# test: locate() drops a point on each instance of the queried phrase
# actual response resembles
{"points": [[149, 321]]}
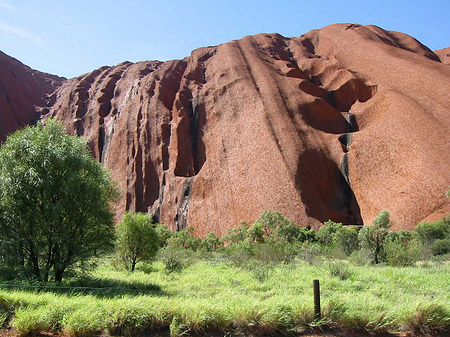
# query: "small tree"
{"points": [[325, 234], [372, 237], [136, 240], [211, 242], [346, 239], [54, 202]]}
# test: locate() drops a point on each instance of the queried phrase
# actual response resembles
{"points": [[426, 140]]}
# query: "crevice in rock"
{"points": [[166, 133], [156, 211], [183, 205], [101, 140], [146, 184], [195, 128], [325, 190]]}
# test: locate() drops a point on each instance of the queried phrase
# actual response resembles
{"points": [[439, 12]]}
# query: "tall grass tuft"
{"points": [[427, 318]]}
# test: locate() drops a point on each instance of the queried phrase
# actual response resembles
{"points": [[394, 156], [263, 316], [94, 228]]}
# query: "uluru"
{"points": [[338, 123]]}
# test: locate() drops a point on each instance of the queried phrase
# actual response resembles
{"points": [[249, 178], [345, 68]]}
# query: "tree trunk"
{"points": [[59, 272]]}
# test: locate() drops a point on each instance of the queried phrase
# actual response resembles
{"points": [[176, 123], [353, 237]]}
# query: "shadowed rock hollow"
{"points": [[339, 123]]}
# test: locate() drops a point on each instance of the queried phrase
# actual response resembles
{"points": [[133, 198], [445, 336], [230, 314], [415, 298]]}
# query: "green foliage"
{"points": [[338, 269], [176, 258], [361, 257], [270, 222], [373, 237], [177, 327], [54, 202], [346, 240], [403, 253], [223, 300], [325, 234], [256, 233], [211, 243], [430, 231], [310, 252], [237, 234], [440, 246], [164, 234], [184, 239], [401, 236], [136, 240]]}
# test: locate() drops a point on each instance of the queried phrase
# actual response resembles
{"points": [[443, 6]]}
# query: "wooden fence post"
{"points": [[317, 314]]}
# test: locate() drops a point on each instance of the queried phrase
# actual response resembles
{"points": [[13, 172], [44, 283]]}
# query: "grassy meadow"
{"points": [[213, 295]]}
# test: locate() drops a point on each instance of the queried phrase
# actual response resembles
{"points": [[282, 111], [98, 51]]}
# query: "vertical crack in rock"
{"points": [[101, 140], [343, 206], [198, 148], [166, 133], [156, 208], [183, 205], [146, 184]]}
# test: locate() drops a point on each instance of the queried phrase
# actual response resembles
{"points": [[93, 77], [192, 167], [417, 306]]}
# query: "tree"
{"points": [[136, 240], [326, 233], [346, 239], [55, 201], [373, 237]]}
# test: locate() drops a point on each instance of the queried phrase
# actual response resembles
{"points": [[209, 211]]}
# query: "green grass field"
{"points": [[215, 296]]}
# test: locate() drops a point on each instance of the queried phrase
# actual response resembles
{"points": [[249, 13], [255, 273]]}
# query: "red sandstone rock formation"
{"points": [[444, 55], [22, 92], [339, 123]]}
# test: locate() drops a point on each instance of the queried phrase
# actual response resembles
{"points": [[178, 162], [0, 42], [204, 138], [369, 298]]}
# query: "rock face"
{"points": [[444, 55], [22, 92], [339, 123]]}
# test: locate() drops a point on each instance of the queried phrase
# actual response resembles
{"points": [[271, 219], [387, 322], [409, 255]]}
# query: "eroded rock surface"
{"points": [[23, 93], [444, 55], [339, 123]]}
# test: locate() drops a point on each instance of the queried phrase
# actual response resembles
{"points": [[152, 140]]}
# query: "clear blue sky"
{"points": [[72, 37]]}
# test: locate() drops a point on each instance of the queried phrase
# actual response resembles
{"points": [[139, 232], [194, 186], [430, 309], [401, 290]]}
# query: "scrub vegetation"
{"points": [[249, 282], [65, 270]]}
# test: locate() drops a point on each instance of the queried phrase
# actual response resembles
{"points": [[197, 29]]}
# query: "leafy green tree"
{"points": [[256, 233], [403, 253], [184, 239], [136, 240], [164, 233], [326, 233], [55, 201], [428, 232], [270, 222], [346, 239], [211, 242], [237, 234], [373, 237]]}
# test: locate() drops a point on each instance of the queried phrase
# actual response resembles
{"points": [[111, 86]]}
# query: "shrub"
{"points": [[373, 237], [338, 269], [164, 234], [428, 232], [325, 234], [361, 257], [176, 258], [185, 239], [310, 252], [270, 222], [440, 246], [211, 243], [137, 240], [55, 201], [237, 234], [401, 254], [346, 240]]}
